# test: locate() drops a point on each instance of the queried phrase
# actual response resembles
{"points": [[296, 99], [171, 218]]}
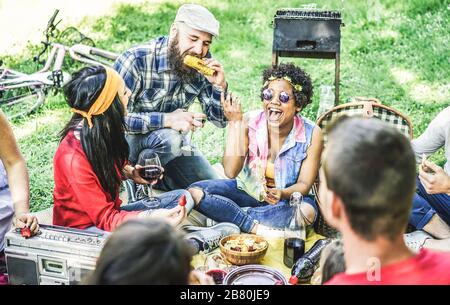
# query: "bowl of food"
{"points": [[243, 249]]}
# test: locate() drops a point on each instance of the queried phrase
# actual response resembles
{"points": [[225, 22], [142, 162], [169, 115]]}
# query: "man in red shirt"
{"points": [[366, 191]]}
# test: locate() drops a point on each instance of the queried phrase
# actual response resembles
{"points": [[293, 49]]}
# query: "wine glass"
{"points": [[151, 172], [188, 146], [196, 108], [216, 266]]}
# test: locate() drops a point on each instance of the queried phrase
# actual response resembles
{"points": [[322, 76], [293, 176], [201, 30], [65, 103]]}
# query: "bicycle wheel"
{"points": [[20, 102]]}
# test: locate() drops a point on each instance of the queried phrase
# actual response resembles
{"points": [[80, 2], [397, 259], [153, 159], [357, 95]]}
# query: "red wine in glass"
{"points": [[218, 275], [294, 248], [150, 172]]}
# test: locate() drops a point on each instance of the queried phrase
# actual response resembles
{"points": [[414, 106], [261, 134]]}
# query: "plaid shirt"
{"points": [[157, 90]]}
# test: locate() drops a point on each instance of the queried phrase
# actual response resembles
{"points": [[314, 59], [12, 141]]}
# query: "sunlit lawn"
{"points": [[402, 59]]}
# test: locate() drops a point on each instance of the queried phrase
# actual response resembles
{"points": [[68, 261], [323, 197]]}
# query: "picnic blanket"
{"points": [[274, 255]]}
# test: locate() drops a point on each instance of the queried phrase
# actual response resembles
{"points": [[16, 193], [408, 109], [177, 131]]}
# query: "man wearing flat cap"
{"points": [[163, 88]]}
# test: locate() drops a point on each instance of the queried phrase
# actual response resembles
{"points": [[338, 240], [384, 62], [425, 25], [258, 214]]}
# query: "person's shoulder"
{"points": [[306, 120], [442, 119], [435, 266], [67, 143], [434, 260], [345, 279], [253, 117], [445, 112], [434, 257], [310, 126], [70, 150], [144, 49]]}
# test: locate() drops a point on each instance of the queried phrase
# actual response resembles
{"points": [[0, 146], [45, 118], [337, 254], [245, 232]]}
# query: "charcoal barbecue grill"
{"points": [[308, 34]]}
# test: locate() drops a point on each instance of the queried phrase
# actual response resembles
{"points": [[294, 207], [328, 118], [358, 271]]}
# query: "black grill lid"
{"points": [[292, 13]]}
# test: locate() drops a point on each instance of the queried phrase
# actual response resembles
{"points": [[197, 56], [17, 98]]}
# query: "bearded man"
{"points": [[163, 88]]}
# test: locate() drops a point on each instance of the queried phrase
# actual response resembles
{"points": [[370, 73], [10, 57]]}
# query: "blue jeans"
{"points": [[180, 168], [223, 202], [426, 205], [168, 200]]}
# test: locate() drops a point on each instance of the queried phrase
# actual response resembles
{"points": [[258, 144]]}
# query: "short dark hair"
{"points": [[298, 77], [371, 167], [143, 252]]}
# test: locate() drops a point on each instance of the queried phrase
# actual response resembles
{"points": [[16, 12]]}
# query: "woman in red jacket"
{"points": [[91, 160]]}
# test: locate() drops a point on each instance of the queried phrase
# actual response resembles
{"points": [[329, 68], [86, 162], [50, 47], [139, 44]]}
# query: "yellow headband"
{"points": [[106, 97], [296, 86]]}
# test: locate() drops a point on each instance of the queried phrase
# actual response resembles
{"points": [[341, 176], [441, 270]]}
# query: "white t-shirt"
{"points": [[435, 136], [3, 177], [6, 206]]}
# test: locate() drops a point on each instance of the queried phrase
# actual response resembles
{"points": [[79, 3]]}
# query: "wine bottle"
{"points": [[305, 266], [294, 233]]}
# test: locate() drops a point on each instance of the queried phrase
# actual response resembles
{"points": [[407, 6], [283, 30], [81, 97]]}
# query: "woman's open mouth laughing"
{"points": [[275, 114]]}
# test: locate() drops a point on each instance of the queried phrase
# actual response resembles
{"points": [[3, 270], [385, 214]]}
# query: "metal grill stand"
{"points": [[308, 34]]}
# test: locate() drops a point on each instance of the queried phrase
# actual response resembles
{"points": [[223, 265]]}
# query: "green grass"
{"points": [[398, 53]]}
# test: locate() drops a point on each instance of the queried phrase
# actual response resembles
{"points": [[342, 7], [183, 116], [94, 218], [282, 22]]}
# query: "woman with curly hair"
{"points": [[269, 154]]}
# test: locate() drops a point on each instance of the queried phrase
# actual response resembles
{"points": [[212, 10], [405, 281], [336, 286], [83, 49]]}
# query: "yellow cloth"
{"points": [[110, 90], [270, 170], [270, 174], [274, 255]]}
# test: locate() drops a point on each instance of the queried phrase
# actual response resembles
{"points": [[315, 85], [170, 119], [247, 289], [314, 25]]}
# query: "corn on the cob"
{"points": [[198, 64]]}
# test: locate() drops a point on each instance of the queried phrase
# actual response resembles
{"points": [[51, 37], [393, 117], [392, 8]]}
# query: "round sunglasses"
{"points": [[267, 95]]}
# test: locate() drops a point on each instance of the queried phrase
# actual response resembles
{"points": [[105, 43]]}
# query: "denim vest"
{"points": [[288, 161]]}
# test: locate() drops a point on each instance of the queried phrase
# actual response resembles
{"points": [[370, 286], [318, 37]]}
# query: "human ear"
{"points": [[336, 210], [173, 30]]}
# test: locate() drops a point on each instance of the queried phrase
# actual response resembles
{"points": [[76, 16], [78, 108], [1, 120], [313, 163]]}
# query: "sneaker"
{"points": [[211, 236], [135, 191], [415, 240], [130, 187], [210, 222]]}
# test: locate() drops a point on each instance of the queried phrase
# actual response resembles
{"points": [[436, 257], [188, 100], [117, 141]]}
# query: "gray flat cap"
{"points": [[199, 18]]}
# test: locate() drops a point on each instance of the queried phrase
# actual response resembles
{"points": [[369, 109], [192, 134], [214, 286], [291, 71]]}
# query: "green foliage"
{"points": [[396, 51]]}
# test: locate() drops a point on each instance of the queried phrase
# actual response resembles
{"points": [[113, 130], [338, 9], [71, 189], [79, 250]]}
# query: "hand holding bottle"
{"points": [[272, 195]]}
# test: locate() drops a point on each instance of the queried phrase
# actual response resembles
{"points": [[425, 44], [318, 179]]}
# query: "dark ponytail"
{"points": [[104, 144]]}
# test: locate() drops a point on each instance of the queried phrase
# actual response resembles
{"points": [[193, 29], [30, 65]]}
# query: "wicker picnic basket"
{"points": [[361, 106], [243, 258]]}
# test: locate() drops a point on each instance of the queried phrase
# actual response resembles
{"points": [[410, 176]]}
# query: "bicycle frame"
{"points": [[41, 77], [51, 74], [92, 55], [79, 52]]}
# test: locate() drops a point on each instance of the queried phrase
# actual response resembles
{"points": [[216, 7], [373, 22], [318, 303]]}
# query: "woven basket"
{"points": [[243, 258], [360, 106]]}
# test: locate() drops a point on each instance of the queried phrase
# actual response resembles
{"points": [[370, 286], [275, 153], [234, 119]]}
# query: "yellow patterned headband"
{"points": [[112, 86], [297, 87]]}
